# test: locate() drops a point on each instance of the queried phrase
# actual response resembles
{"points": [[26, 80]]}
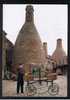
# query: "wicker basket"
{"points": [[52, 76], [28, 76]]}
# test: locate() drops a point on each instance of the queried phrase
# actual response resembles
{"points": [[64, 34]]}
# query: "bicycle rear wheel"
{"points": [[53, 89]]}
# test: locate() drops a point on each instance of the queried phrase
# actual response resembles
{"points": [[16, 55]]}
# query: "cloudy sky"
{"points": [[51, 22]]}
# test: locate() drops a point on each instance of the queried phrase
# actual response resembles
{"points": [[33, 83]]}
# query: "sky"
{"points": [[51, 22]]}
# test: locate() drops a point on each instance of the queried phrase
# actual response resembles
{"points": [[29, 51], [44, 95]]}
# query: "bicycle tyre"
{"points": [[53, 90], [31, 89]]}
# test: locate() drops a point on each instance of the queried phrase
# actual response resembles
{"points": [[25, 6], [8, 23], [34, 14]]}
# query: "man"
{"points": [[20, 78]]}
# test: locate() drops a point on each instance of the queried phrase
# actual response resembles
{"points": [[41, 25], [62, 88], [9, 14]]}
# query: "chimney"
{"points": [[59, 43], [45, 48], [29, 13]]}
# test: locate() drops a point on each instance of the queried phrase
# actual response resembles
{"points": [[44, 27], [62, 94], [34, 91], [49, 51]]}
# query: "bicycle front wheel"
{"points": [[34, 90], [31, 90]]}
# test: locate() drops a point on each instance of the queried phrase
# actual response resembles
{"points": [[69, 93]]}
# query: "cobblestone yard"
{"points": [[9, 88]]}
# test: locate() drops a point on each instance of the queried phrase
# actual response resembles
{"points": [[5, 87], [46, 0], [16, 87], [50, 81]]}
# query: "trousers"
{"points": [[20, 86]]}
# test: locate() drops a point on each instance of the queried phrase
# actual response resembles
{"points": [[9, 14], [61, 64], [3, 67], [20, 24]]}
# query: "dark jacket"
{"points": [[20, 75]]}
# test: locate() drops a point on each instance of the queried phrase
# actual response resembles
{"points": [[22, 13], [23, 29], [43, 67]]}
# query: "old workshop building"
{"points": [[7, 54]]}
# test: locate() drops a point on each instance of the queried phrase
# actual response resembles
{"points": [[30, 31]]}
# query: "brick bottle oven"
{"points": [[28, 46]]}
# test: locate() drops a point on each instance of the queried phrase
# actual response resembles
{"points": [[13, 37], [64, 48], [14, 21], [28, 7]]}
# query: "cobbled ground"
{"points": [[9, 88]]}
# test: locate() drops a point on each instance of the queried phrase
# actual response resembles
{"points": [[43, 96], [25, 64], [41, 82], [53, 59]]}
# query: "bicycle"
{"points": [[53, 89], [32, 90]]}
